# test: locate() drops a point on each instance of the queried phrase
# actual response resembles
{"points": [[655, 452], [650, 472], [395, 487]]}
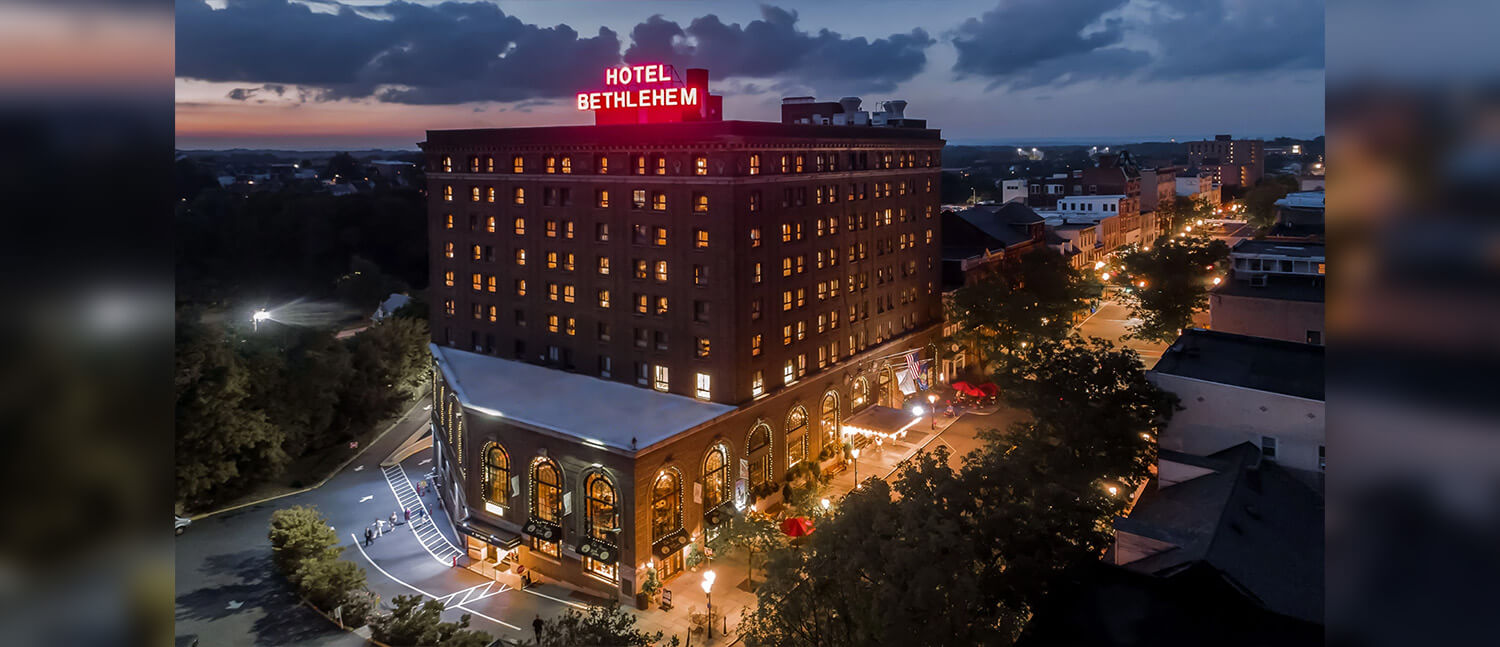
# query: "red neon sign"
{"points": [[669, 93]]}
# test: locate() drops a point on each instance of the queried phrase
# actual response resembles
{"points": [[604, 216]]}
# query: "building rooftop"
{"points": [[1271, 365], [1248, 518], [1302, 200], [1285, 288], [989, 227], [665, 134], [1272, 247], [580, 406]]}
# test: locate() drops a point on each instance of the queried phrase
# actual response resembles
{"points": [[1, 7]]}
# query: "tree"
{"points": [[344, 166], [221, 441], [599, 626], [413, 622], [1176, 213], [1024, 304], [1093, 401], [329, 583], [1164, 286], [298, 534], [752, 532], [1260, 202]]}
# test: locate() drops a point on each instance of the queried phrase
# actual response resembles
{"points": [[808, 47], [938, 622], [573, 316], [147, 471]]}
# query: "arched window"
{"points": [[546, 490], [758, 448], [755, 164], [666, 504], [715, 476], [796, 436], [496, 477], [859, 395], [828, 422], [601, 519]]}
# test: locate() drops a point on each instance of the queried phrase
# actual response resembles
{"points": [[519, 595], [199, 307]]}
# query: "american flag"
{"points": [[914, 370]]}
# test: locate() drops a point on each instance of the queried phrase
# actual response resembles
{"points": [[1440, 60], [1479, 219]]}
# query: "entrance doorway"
{"points": [[670, 566]]}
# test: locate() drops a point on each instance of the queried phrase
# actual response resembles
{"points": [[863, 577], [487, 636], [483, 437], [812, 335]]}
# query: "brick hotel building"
{"points": [[641, 324]]}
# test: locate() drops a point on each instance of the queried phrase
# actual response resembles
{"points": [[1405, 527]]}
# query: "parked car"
{"points": [[182, 524]]}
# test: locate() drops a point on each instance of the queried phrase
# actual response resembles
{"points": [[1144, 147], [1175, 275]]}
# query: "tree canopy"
{"points": [[599, 626], [1173, 214], [1163, 285], [413, 622], [1022, 304], [1260, 202]]}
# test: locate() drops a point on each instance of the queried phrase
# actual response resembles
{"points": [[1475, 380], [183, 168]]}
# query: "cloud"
{"points": [[773, 47], [1227, 38], [397, 52], [1023, 44]]}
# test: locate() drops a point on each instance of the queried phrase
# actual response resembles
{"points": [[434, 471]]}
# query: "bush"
{"points": [[299, 534], [414, 622], [357, 609], [328, 583]]}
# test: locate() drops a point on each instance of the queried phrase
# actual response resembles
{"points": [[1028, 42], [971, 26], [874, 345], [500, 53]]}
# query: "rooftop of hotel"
{"points": [[664, 135], [587, 408], [1302, 200], [1271, 365], [1273, 247]]}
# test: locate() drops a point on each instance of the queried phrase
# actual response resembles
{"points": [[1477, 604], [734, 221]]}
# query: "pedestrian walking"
{"points": [[369, 535], [537, 626], [393, 520], [379, 527], [420, 485], [408, 515]]}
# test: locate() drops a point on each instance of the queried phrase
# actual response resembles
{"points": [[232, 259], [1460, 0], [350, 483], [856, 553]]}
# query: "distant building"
{"points": [[1158, 185], [1102, 211], [1078, 242], [1014, 190], [1231, 162], [1196, 184], [978, 240], [1311, 182], [1239, 389], [1275, 290], [389, 307], [1300, 214]]}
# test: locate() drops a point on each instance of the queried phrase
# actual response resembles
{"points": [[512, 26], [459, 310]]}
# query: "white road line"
{"points": [[420, 591], [447, 550], [567, 602]]}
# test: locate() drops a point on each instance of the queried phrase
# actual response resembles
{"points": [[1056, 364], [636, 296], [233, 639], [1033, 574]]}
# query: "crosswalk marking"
{"points": [[427, 534]]}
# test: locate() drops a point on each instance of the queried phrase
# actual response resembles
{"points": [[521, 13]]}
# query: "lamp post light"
{"points": [[708, 585], [259, 316], [855, 453], [932, 400]]}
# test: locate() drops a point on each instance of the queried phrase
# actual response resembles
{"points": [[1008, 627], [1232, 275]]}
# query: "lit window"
{"points": [[786, 266], [567, 229], [642, 304], [494, 314], [518, 195], [785, 167], [755, 164], [567, 294], [786, 232], [702, 347], [551, 228], [604, 298], [551, 291], [659, 236], [448, 278], [568, 262], [801, 330], [517, 164], [700, 165], [447, 193], [640, 164], [700, 275], [661, 270], [478, 252], [448, 222], [552, 323], [601, 197], [700, 202], [799, 163], [490, 283], [551, 260], [788, 372], [755, 236], [755, 346], [661, 164], [520, 257], [474, 194], [659, 201], [754, 277], [601, 232], [700, 238], [572, 328], [604, 265], [786, 335], [661, 305], [448, 250], [520, 226], [757, 384], [602, 163], [520, 287], [490, 194], [447, 164], [567, 165], [661, 383], [489, 224], [786, 301], [641, 270], [449, 307]]}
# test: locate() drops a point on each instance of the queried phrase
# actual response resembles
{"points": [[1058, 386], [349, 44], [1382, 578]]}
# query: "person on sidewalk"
{"points": [[393, 520], [369, 535], [536, 625], [408, 514]]}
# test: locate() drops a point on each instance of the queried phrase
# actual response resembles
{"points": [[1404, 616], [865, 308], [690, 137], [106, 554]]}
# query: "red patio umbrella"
{"points": [[989, 388], [961, 386], [796, 526]]}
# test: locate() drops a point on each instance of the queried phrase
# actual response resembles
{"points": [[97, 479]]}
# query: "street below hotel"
{"points": [[1112, 321]]}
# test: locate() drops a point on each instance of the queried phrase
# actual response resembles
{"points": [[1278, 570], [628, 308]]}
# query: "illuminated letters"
{"points": [[656, 97]]}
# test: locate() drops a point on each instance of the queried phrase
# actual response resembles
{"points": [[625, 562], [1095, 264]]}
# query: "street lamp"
{"points": [[708, 585], [854, 451], [932, 400], [918, 411], [824, 503], [259, 316]]}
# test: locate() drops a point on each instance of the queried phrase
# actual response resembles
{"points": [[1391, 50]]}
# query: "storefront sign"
{"points": [[664, 90], [599, 550], [544, 530], [666, 545]]}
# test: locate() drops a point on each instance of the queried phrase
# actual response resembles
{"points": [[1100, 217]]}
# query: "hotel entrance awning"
{"points": [[876, 421]]}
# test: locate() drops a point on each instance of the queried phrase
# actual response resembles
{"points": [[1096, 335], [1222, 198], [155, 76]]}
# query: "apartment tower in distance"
{"points": [[1232, 162], [641, 325]]}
